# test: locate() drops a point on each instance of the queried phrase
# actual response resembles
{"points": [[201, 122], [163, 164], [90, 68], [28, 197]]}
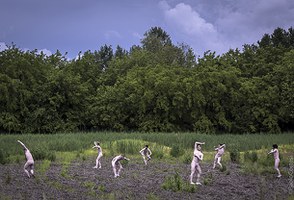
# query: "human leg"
{"points": [[192, 172], [119, 168], [277, 161], [26, 168], [215, 161], [198, 172], [114, 169], [219, 161], [98, 164], [32, 169]]}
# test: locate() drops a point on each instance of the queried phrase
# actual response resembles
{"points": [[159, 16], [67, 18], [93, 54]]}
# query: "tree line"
{"points": [[155, 86]]}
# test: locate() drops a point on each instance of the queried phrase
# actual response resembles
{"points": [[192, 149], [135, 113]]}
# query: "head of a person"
{"points": [[146, 145], [275, 146], [98, 143], [198, 147]]}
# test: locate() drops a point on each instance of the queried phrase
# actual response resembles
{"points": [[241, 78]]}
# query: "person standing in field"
{"points": [[116, 165], [275, 152], [29, 165], [195, 165], [146, 152], [220, 150], [99, 149]]}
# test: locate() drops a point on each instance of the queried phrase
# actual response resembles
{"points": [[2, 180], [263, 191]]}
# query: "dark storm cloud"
{"points": [[77, 25]]}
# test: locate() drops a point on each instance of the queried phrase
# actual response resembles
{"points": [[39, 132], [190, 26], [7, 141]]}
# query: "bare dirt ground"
{"points": [[81, 181]]}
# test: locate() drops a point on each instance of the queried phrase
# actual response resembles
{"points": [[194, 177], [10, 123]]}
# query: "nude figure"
{"points": [[195, 165], [29, 165], [99, 149], [146, 152], [116, 165], [220, 150], [275, 152]]}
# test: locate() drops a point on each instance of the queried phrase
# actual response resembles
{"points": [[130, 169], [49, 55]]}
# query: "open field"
{"points": [[64, 167]]}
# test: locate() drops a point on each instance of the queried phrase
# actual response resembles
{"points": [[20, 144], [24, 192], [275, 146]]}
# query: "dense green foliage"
{"points": [[157, 86]]}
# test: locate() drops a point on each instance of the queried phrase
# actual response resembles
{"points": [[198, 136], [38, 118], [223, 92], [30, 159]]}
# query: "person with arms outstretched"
{"points": [[116, 165], [220, 150], [195, 165], [275, 152], [146, 153], [29, 165], [100, 154]]}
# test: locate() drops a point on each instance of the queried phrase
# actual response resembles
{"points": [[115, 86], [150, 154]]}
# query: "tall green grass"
{"points": [[130, 143]]}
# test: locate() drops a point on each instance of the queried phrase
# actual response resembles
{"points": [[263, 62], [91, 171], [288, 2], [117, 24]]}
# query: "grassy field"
{"points": [[71, 152], [163, 145]]}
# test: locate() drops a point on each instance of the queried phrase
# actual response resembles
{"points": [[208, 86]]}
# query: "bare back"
{"points": [[28, 155]]}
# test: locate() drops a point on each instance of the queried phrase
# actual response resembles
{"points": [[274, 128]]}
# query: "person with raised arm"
{"points": [[29, 165], [116, 165], [146, 153], [220, 150], [195, 165], [275, 152], [99, 149]]}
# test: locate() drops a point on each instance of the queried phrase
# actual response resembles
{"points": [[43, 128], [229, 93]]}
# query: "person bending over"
{"points": [[29, 165], [116, 165]]}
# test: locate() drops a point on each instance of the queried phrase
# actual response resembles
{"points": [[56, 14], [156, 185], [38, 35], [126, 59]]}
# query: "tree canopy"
{"points": [[155, 86]]}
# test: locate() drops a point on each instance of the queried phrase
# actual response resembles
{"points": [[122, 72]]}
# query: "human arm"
{"points": [[272, 151], [22, 144], [150, 153], [199, 142], [141, 151], [198, 155]]}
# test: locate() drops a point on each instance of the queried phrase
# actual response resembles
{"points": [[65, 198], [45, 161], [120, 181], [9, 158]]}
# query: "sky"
{"points": [[80, 25]]}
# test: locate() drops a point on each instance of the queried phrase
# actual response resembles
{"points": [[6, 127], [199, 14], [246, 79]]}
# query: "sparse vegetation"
{"points": [[176, 183]]}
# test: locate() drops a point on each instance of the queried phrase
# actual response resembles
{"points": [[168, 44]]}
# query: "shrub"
{"points": [[176, 151], [235, 155], [41, 154], [250, 156], [3, 157], [186, 158]]}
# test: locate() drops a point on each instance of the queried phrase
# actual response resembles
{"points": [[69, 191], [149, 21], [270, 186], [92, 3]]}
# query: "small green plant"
{"points": [[152, 196], [101, 188], [176, 183], [7, 179], [89, 184], [223, 168], [44, 166], [208, 179]]}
